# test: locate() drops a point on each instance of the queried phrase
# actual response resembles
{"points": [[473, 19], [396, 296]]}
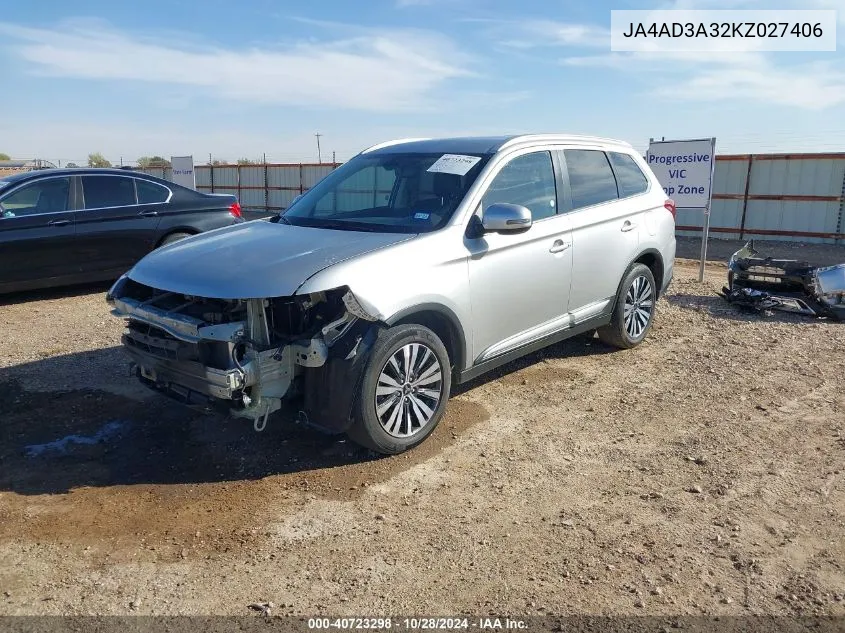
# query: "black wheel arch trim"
{"points": [[449, 315], [635, 260]]}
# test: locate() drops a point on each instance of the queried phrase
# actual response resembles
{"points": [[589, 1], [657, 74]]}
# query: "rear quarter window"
{"points": [[629, 176], [150, 192]]}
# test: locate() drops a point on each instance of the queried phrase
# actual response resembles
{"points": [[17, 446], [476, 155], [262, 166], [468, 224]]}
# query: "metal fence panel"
{"points": [[729, 176], [250, 176], [767, 219], [312, 174], [807, 177], [251, 199], [285, 176], [279, 200], [202, 174]]}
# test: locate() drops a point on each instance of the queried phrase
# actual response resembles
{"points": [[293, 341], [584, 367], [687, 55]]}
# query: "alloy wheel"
{"points": [[409, 389], [639, 307]]}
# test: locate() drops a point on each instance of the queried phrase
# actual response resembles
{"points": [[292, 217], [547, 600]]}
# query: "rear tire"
{"points": [[634, 311], [173, 237], [404, 391]]}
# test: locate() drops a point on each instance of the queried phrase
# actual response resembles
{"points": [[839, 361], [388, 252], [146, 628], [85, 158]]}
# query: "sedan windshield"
{"points": [[397, 193]]}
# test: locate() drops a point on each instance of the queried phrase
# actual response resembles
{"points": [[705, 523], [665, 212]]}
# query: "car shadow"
{"points": [[109, 431], [63, 292], [587, 344], [117, 433]]}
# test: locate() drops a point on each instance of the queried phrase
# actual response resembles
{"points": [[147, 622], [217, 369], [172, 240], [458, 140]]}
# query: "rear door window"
{"points": [[43, 196], [591, 180], [150, 192], [629, 176], [103, 192]]}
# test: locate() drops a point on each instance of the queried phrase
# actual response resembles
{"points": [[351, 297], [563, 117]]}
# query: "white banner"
{"points": [[685, 170], [182, 170]]}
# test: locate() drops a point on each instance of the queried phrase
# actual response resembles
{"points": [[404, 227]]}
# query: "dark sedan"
{"points": [[65, 226]]}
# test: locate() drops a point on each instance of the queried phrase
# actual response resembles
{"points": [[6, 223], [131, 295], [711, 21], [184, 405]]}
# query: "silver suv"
{"points": [[416, 265]]}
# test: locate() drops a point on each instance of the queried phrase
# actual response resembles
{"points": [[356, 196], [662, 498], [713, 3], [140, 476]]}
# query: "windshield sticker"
{"points": [[421, 216], [456, 164]]}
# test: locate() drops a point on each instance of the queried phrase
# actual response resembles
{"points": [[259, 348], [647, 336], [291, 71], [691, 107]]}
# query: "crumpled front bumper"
{"points": [[764, 283]]}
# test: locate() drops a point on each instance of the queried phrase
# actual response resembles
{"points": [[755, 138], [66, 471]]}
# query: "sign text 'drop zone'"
{"points": [[684, 170]]}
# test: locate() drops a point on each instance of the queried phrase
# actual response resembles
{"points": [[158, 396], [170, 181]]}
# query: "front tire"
{"points": [[634, 311], [404, 391]]}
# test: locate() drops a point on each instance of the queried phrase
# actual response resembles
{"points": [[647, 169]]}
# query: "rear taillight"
{"points": [[669, 205], [235, 210]]}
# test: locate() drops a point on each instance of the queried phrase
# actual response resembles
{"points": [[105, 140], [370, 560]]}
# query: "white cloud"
{"points": [[814, 86], [373, 70], [536, 33], [718, 76]]}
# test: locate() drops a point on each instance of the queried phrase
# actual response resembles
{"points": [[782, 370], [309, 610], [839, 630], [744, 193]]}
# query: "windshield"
{"points": [[397, 193]]}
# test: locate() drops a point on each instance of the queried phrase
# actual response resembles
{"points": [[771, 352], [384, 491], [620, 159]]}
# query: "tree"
{"points": [[152, 161], [248, 161], [4, 156], [97, 160], [216, 162]]}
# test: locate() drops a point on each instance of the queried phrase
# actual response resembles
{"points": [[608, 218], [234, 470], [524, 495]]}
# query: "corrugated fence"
{"points": [[269, 187], [797, 197]]}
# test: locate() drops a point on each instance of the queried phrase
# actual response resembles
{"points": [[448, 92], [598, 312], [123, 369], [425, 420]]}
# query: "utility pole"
{"points": [[319, 155]]}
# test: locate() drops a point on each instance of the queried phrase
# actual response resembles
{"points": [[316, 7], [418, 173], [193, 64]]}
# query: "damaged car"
{"points": [[764, 283], [417, 265]]}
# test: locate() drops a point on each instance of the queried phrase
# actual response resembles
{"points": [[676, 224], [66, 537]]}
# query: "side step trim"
{"points": [[551, 339]]}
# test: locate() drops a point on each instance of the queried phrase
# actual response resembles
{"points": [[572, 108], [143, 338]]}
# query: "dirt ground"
{"points": [[701, 473]]}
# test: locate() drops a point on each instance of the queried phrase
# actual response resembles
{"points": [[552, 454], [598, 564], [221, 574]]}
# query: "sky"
{"points": [[252, 78]]}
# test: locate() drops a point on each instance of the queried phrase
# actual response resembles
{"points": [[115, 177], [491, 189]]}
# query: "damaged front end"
{"points": [[250, 356], [764, 283]]}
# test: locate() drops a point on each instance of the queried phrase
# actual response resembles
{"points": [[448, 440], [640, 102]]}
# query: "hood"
{"points": [[253, 260]]}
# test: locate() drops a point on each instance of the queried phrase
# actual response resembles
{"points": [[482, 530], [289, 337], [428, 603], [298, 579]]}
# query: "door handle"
{"points": [[148, 214], [559, 246], [628, 226], [58, 222]]}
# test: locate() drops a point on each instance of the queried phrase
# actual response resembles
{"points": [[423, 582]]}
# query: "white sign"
{"points": [[457, 164], [685, 170], [182, 170]]}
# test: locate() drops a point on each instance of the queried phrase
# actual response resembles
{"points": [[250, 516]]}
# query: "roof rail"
{"points": [[397, 141], [563, 137]]}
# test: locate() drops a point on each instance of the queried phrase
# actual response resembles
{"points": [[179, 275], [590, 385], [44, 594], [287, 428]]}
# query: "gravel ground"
{"points": [[701, 473]]}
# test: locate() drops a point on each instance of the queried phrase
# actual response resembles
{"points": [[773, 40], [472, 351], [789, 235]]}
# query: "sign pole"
{"points": [[704, 233], [705, 229]]}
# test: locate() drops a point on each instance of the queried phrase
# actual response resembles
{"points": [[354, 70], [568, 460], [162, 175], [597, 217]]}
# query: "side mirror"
{"points": [[505, 218]]}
